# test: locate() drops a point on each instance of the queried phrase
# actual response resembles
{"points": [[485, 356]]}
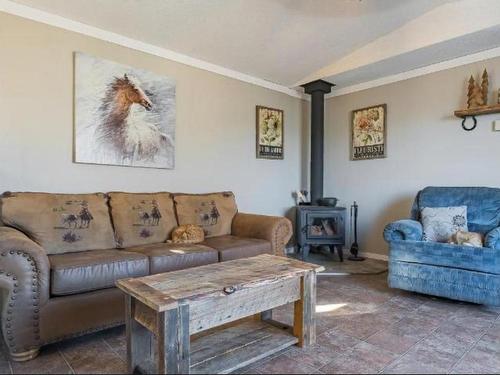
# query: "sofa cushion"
{"points": [[166, 257], [232, 247], [213, 212], [141, 219], [61, 223], [480, 259], [85, 271]]}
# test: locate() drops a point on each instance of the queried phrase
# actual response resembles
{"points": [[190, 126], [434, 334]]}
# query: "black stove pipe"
{"points": [[317, 90]]}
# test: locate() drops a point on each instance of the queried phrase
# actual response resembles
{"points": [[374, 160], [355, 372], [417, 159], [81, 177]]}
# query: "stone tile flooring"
{"points": [[363, 327]]}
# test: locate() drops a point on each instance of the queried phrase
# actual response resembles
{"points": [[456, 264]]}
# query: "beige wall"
{"points": [[426, 146], [215, 134]]}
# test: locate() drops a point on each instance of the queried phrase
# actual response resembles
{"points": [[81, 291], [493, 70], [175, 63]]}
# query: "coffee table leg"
{"points": [[140, 353], [304, 322], [173, 341]]}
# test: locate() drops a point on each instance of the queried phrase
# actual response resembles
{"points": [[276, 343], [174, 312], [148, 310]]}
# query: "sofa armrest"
{"points": [[403, 230], [24, 281], [492, 239], [275, 229]]}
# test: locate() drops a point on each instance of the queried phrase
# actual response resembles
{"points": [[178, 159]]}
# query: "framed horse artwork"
{"points": [[123, 115]]}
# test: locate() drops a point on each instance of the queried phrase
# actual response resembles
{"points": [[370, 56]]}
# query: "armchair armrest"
{"points": [[24, 280], [492, 239], [403, 230], [275, 229]]}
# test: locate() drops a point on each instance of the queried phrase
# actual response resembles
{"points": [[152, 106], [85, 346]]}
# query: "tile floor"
{"points": [[363, 327]]}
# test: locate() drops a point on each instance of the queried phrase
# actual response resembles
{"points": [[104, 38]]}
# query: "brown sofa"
{"points": [[61, 254]]}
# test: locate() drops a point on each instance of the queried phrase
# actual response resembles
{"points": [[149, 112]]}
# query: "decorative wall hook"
{"points": [[472, 127]]}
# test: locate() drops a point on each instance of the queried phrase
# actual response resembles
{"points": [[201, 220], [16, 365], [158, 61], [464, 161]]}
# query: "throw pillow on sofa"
{"points": [[213, 212], [142, 218], [440, 223], [60, 223]]}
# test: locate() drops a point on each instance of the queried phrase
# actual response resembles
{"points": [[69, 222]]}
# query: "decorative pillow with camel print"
{"points": [[60, 223], [213, 212], [142, 218]]}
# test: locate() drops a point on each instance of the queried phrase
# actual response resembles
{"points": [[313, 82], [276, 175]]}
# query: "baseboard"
{"points": [[375, 256]]}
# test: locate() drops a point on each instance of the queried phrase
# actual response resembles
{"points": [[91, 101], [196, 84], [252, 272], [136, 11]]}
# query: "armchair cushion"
{"points": [[85, 271], [492, 239], [405, 230]]}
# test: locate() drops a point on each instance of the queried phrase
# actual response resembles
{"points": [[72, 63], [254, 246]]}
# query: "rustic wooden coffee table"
{"points": [[164, 310]]}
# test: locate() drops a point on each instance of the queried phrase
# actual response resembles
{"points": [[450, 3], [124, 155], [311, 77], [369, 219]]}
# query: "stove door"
{"points": [[325, 226]]}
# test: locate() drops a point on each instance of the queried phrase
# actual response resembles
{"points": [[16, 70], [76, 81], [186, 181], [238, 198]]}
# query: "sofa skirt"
{"points": [[453, 283]]}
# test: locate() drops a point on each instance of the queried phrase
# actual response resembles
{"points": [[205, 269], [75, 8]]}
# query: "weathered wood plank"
{"points": [[139, 342], [164, 291], [174, 341], [226, 351], [216, 311], [146, 316], [304, 323]]}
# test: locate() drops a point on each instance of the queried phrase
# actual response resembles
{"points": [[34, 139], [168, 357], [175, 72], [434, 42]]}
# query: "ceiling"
{"points": [[290, 42]]}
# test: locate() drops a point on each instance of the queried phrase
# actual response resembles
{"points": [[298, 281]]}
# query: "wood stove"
{"points": [[320, 225]]}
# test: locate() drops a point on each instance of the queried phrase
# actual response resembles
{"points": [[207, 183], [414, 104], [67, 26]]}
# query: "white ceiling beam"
{"points": [[443, 23]]}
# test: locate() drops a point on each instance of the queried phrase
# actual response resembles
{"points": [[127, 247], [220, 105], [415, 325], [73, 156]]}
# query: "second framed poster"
{"points": [[369, 133], [270, 126]]}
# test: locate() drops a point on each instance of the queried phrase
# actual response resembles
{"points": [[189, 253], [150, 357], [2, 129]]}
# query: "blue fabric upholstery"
{"points": [[483, 204], [479, 259], [460, 272], [454, 283], [492, 239], [410, 230]]}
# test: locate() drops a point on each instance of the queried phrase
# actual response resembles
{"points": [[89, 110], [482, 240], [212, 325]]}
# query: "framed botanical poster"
{"points": [[369, 133], [270, 124]]}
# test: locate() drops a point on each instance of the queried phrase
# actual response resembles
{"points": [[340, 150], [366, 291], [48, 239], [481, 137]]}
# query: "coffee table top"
{"points": [[168, 290]]}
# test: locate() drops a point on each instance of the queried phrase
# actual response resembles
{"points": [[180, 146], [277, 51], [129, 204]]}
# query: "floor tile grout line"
{"points": [[410, 348], [474, 344], [112, 350], [415, 344], [366, 338], [65, 360]]}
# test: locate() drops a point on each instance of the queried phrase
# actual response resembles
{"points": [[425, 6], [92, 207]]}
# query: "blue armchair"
{"points": [[458, 272]]}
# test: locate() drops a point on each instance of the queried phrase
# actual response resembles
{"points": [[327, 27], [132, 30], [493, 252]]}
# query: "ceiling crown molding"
{"points": [[24, 11]]}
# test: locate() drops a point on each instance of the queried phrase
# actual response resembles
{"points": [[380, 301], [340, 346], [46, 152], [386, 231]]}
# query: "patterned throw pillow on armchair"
{"points": [[440, 223]]}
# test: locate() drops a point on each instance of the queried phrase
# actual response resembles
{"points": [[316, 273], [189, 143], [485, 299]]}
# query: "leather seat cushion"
{"points": [[166, 257], [85, 271], [232, 247]]}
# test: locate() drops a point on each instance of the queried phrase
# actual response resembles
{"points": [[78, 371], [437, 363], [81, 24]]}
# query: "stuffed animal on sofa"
{"points": [[188, 233], [463, 238]]}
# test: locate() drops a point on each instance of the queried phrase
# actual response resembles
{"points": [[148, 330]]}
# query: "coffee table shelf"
{"points": [[233, 348]]}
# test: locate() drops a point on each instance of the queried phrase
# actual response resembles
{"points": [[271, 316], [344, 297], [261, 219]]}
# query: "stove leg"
{"points": [[340, 251], [305, 251]]}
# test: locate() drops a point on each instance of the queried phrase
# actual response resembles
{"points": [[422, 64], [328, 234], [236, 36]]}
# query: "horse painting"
{"points": [[124, 116], [132, 142]]}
